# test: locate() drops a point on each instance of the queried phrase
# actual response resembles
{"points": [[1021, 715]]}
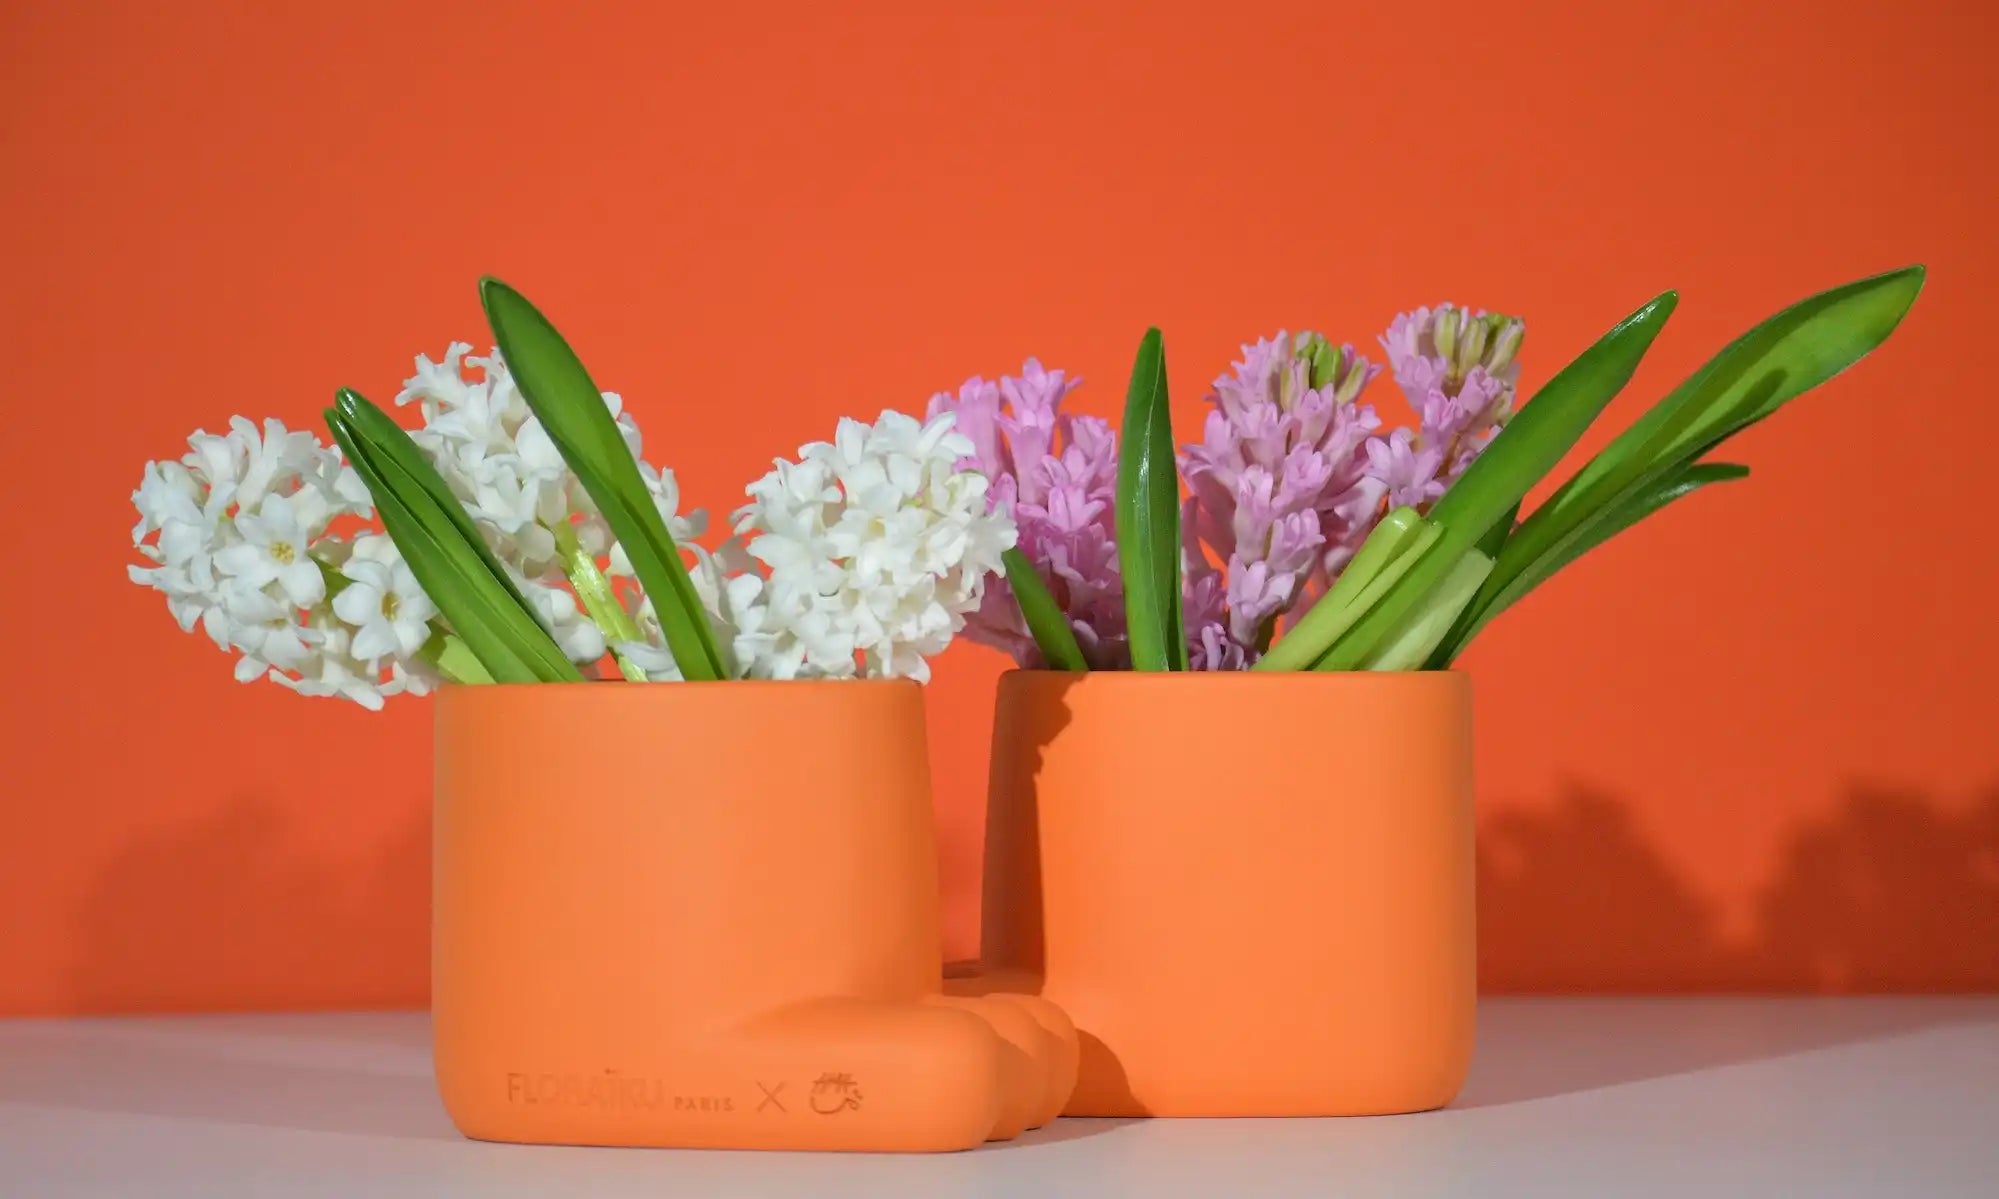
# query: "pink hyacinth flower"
{"points": [[1056, 474], [1458, 369], [1282, 491]]}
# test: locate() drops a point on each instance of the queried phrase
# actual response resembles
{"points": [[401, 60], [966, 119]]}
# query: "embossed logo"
{"points": [[610, 1091], [833, 1093]]}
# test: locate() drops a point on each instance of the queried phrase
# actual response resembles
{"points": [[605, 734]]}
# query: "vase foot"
{"points": [[928, 1074]]}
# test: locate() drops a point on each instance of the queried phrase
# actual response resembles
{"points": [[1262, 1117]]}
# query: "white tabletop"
{"points": [[1597, 1097]]}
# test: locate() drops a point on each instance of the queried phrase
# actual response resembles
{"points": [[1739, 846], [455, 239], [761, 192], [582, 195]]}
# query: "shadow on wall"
{"points": [[1888, 894], [229, 912], [232, 912]]}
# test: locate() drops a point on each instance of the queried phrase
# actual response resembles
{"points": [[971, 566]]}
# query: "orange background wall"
{"points": [[1750, 746]]}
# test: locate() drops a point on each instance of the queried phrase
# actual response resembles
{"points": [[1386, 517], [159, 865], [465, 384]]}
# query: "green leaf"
{"points": [[486, 612], [1607, 524], [1777, 361], [1045, 619], [401, 460], [1148, 515], [1407, 647], [1495, 537], [445, 550], [572, 411], [1335, 612], [1530, 446], [1547, 427]]}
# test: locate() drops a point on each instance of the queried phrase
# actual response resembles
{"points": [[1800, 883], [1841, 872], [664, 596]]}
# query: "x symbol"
{"points": [[770, 1097]]}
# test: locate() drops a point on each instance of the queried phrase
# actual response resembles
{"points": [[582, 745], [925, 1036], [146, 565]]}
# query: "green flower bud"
{"points": [[1325, 360], [1507, 332], [1447, 333]]}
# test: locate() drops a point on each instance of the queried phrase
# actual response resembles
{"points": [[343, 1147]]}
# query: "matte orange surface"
{"points": [[1233, 936], [1748, 746], [662, 947]]}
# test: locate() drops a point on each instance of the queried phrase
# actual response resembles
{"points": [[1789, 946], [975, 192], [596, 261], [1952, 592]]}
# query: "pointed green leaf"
{"points": [[506, 637], [449, 559], [1531, 445], [1777, 361], [1594, 532], [1045, 618], [399, 458], [572, 411], [1148, 514], [1547, 427], [1495, 537]]}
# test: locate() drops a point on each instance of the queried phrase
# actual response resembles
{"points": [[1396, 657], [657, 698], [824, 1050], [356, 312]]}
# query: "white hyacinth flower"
{"points": [[501, 464], [564, 619], [876, 546], [335, 671], [387, 608], [236, 534], [272, 549]]}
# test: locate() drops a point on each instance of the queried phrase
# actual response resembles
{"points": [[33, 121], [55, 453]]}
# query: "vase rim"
{"points": [[873, 684], [1136, 678]]}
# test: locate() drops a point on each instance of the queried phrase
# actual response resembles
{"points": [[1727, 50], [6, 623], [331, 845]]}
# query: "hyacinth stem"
{"points": [[1336, 610], [594, 589], [1376, 591], [1409, 646], [452, 658]]}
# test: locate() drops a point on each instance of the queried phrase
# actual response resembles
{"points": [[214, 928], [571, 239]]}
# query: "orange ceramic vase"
{"points": [[1251, 892], [705, 915]]}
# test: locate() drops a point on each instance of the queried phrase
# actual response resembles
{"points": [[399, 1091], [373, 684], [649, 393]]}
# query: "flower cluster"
{"points": [[237, 532], [1458, 370], [873, 547], [862, 557], [1280, 489], [1294, 469], [876, 547], [500, 463], [1054, 474]]}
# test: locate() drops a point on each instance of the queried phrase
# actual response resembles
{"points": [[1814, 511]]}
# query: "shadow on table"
{"points": [[1068, 1128], [271, 1071], [1542, 1048]]}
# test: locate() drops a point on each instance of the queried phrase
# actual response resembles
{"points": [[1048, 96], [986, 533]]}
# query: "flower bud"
{"points": [[1325, 359], [1446, 332], [1352, 376], [1507, 332]]}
